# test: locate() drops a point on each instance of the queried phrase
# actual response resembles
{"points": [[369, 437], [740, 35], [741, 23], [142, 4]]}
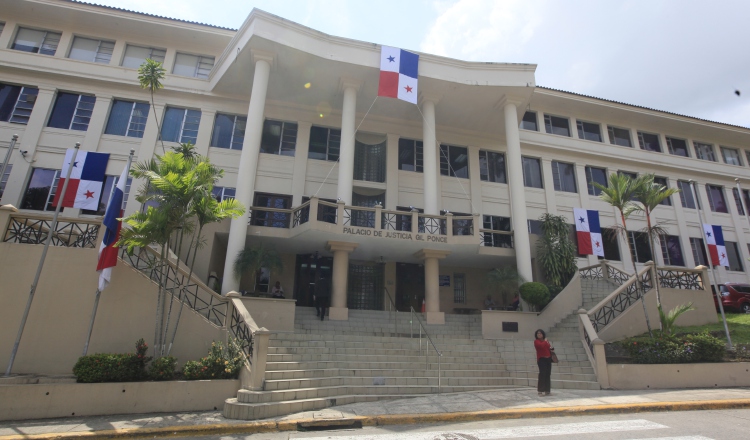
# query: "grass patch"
{"points": [[738, 323]]}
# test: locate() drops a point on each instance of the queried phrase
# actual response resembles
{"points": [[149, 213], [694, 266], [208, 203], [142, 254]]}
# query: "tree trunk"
{"points": [[157, 324], [638, 283], [182, 299], [176, 284], [158, 129]]}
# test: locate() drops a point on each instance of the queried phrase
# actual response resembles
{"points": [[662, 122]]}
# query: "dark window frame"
{"points": [[488, 167], [553, 125], [449, 155], [592, 190], [560, 177], [586, 131]]}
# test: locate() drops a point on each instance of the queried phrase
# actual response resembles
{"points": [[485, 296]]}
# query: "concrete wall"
{"points": [[271, 313], [641, 377], [20, 402], [477, 289], [56, 329], [633, 322]]}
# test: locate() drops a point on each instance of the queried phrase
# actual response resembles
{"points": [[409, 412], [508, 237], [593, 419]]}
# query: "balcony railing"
{"points": [[33, 229]]}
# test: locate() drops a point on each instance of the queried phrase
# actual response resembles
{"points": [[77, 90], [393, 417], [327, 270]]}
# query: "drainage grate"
{"points": [[329, 425]]}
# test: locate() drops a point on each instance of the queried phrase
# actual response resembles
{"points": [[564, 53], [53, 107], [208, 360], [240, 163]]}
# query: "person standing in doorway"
{"points": [[322, 294], [544, 361]]}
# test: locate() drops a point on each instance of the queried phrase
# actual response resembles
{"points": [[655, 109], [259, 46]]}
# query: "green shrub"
{"points": [[106, 367], [675, 349], [221, 363], [554, 291], [536, 294], [162, 368]]}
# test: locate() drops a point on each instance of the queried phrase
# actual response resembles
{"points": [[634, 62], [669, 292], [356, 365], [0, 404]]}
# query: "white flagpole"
{"points": [[710, 266], [52, 228], [98, 291], [8, 153]]}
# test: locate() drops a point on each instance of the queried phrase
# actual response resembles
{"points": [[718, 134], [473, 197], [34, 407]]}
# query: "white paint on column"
{"points": [[517, 432], [346, 155], [429, 159]]}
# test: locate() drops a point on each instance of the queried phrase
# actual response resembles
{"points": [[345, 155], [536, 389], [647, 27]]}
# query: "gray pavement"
{"points": [[524, 399]]}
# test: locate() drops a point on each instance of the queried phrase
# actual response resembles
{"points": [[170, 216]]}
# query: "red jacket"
{"points": [[542, 349]]}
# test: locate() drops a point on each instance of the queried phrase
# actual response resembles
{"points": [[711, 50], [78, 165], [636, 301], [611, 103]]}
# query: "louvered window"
{"points": [[564, 176], [197, 66], [369, 162], [36, 41], [95, 51], [16, 103]]}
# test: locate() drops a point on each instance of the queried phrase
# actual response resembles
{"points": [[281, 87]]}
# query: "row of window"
{"points": [[591, 131], [96, 50]]}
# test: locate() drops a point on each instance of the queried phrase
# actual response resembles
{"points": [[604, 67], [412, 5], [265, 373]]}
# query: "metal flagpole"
{"points": [[710, 266], [52, 227], [7, 156], [98, 291]]}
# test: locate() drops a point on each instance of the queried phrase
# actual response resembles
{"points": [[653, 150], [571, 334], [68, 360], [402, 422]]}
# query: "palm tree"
{"points": [[650, 195], [668, 320], [620, 193], [556, 253], [150, 74], [252, 259], [505, 279]]}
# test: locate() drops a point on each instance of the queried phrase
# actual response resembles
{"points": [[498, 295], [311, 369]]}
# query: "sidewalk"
{"points": [[480, 405]]}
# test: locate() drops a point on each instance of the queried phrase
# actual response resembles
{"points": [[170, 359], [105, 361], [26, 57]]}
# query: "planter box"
{"points": [[42, 401], [650, 376]]}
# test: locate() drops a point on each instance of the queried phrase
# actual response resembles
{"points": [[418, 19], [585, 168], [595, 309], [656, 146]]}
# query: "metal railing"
{"points": [[31, 229], [362, 217], [492, 238], [392, 310], [396, 221], [432, 224], [327, 212], [270, 217], [591, 272], [620, 300], [243, 331], [414, 315], [301, 214], [680, 278], [463, 225]]}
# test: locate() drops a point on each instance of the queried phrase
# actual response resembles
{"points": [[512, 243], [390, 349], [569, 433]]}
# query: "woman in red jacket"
{"points": [[544, 361]]}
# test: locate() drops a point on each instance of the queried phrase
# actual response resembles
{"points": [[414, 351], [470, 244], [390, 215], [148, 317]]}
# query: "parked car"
{"points": [[734, 296]]}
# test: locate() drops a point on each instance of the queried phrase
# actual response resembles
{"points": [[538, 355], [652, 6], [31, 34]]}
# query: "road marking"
{"points": [[516, 432], [689, 437]]}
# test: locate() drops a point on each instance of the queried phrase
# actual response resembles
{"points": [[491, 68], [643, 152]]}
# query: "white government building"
{"points": [[381, 195]]}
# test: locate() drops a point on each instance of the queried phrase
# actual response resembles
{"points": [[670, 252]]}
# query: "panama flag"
{"points": [[715, 242], [108, 248], [588, 231], [398, 74], [86, 180]]}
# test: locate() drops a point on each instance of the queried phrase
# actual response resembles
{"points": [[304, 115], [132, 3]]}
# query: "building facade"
{"points": [[398, 204]]}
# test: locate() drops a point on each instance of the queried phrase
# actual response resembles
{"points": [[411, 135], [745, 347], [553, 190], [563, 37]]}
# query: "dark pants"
{"points": [[545, 371], [321, 305]]}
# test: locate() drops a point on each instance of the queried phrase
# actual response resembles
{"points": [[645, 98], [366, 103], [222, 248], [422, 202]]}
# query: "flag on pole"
{"points": [[398, 74], [86, 180], [588, 231], [715, 242], [108, 248]]}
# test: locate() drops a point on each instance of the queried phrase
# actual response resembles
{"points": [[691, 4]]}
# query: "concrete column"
{"points": [[300, 162], [248, 167], [28, 141], [346, 155], [605, 133], [432, 284], [549, 186], [97, 123], [205, 127], [391, 180], [341, 250], [475, 181], [66, 40], [7, 33], [517, 192], [149, 144], [431, 163]]}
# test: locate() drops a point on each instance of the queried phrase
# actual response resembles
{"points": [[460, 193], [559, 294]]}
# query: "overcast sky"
{"points": [[682, 56]]}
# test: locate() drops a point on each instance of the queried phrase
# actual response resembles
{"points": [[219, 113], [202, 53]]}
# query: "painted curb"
{"points": [[393, 419]]}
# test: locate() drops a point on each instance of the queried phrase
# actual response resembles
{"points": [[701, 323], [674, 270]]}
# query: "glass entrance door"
{"points": [[409, 286], [308, 269]]}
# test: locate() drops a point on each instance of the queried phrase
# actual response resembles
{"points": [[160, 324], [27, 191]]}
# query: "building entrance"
{"points": [[308, 269], [409, 286]]}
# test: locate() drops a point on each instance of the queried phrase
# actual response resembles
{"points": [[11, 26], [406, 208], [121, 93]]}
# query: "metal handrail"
{"points": [[393, 311], [427, 348]]}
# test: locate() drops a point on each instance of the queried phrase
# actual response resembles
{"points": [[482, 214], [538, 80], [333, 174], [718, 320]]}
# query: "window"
{"points": [[610, 244], [110, 183], [492, 166], [699, 251], [535, 227], [4, 178], [369, 161], [589, 131], [262, 280], [734, 256], [678, 147], [410, 155], [639, 245], [747, 156], [229, 131], [95, 51], [649, 142], [193, 65], [746, 199], [271, 219], [663, 182], [278, 138], [671, 250], [496, 223], [16, 103], [459, 288], [40, 191], [532, 172], [36, 41], [738, 201], [731, 156], [564, 176], [529, 121], [72, 111], [2, 26], [454, 161], [716, 198], [619, 136], [686, 194], [180, 125], [556, 125], [325, 143], [704, 151], [632, 176], [222, 193], [136, 55], [127, 118], [597, 175]]}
